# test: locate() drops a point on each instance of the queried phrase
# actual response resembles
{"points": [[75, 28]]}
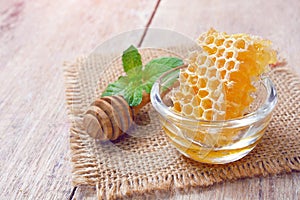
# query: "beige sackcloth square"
{"points": [[144, 161]]}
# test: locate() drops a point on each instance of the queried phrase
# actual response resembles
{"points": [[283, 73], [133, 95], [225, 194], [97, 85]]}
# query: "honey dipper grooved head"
{"points": [[121, 109], [114, 119], [93, 127], [107, 118], [103, 120]]}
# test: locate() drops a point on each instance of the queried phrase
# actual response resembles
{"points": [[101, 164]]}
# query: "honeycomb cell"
{"points": [[210, 50], [219, 53], [240, 44], [213, 59], [195, 89], [196, 101], [228, 43], [210, 40], [193, 79], [186, 88], [178, 95], [202, 82], [177, 106], [201, 59], [201, 71], [213, 83], [220, 63], [202, 93], [219, 42], [228, 55], [211, 72], [223, 73], [208, 113], [198, 112], [188, 98], [183, 77], [187, 109], [206, 103], [192, 68], [230, 65]]}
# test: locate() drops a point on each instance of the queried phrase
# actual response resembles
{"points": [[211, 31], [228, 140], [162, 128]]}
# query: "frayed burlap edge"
{"points": [[84, 162]]}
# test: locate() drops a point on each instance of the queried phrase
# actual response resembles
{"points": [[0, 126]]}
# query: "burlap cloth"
{"points": [[143, 160]]}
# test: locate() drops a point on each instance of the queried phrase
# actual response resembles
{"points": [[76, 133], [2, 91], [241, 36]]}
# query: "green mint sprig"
{"points": [[139, 78]]}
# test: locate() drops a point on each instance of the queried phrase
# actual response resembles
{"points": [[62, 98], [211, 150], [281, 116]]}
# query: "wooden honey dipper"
{"points": [[109, 117]]}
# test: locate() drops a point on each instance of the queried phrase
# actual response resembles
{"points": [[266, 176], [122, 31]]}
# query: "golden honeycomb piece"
{"points": [[219, 80]]}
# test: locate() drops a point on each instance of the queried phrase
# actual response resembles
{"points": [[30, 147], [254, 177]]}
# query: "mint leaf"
{"points": [[137, 79], [135, 74], [131, 58], [134, 95], [156, 67], [117, 87], [130, 87], [168, 61]]}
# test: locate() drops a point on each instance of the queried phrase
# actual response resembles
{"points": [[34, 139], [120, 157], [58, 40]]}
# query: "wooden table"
{"points": [[36, 37]]}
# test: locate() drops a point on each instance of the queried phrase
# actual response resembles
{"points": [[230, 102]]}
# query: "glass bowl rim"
{"points": [[259, 114]]}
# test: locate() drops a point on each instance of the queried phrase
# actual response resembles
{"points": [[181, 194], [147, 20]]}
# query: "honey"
{"points": [[215, 146]]}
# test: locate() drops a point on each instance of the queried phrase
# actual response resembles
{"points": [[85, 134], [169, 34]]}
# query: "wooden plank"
{"points": [[272, 187], [276, 20], [36, 37]]}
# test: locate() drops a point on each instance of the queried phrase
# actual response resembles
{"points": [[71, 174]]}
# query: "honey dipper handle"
{"points": [[145, 100]]}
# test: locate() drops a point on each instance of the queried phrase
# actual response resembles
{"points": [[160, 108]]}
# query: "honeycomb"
{"points": [[219, 80]]}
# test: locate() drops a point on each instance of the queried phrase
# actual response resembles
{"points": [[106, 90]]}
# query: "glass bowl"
{"points": [[215, 142]]}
